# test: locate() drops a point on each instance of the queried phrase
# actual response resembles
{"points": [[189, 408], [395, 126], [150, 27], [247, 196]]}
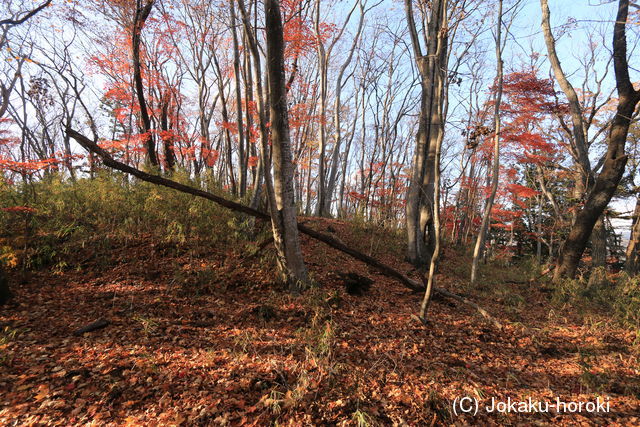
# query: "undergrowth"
{"points": [[7, 335], [317, 368], [66, 221], [617, 295]]}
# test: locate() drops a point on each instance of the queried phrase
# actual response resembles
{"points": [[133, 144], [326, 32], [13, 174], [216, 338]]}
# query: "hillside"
{"points": [[201, 335]]}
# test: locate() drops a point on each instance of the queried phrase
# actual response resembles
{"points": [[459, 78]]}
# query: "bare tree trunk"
{"points": [[323, 64], [325, 190], [615, 160], [227, 132], [257, 172], [579, 134], [283, 214], [167, 140], [307, 209], [495, 169], [242, 157], [345, 162], [419, 208], [599, 244], [539, 230], [438, 126], [438, 113], [263, 172], [337, 123], [142, 13], [632, 263]]}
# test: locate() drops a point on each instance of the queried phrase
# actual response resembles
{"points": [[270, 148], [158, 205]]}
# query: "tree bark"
{"points": [[242, 156], [283, 214], [167, 140], [615, 160], [142, 13], [599, 244], [436, 128], [632, 262], [419, 208]]}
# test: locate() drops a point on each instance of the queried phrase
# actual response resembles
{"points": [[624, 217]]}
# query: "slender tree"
{"points": [[242, 150], [283, 213], [432, 69], [5, 91], [495, 168], [142, 12], [437, 127]]}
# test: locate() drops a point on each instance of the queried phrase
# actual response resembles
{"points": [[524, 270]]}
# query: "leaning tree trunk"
{"points": [[331, 241], [579, 134], [283, 215], [615, 161]]}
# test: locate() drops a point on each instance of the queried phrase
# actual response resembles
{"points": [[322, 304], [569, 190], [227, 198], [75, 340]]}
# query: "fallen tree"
{"points": [[333, 242]]}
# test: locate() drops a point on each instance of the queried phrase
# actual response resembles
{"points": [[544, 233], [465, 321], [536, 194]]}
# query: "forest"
{"points": [[319, 212]]}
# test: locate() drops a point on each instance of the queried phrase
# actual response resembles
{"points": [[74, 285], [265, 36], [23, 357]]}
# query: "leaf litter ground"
{"points": [[204, 336]]}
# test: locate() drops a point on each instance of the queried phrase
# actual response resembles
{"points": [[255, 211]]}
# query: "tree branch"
{"points": [[14, 22]]}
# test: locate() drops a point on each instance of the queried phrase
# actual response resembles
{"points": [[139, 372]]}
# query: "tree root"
{"points": [[98, 324]]}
